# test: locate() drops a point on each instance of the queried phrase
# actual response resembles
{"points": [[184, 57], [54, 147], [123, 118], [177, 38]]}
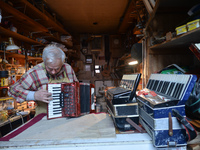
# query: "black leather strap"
{"points": [[191, 132]]}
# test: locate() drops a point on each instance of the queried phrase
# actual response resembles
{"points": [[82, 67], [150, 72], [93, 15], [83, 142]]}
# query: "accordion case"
{"points": [[120, 112], [162, 108], [121, 102]]}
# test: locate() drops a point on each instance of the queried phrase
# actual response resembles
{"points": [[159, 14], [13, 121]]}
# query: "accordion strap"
{"points": [[191, 132], [137, 127]]}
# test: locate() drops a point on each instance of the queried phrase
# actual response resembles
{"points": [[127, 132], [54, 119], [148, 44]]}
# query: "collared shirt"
{"points": [[37, 78]]}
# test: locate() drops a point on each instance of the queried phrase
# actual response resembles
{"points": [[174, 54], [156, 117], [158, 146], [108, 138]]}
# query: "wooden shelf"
{"points": [[34, 58], [10, 120], [5, 98], [169, 7], [10, 54], [32, 20], [43, 18], [50, 37], [181, 41], [46, 21], [20, 37], [21, 18]]}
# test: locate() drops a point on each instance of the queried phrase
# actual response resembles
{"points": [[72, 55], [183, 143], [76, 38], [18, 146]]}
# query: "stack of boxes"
{"points": [[188, 27]]}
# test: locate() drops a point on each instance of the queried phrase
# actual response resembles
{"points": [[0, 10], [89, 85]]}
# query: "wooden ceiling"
{"points": [[96, 16]]}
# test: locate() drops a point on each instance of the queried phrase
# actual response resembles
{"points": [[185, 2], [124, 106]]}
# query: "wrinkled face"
{"points": [[55, 67]]}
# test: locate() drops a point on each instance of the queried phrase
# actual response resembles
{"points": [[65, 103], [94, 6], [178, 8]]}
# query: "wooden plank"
{"points": [[152, 14], [148, 6], [153, 3]]}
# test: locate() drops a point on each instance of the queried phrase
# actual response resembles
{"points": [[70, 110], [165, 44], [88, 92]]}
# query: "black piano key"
{"points": [[149, 83], [163, 87], [159, 86], [56, 90], [56, 87], [155, 85], [55, 95], [166, 86], [55, 108], [55, 113], [171, 88], [180, 90], [177, 90]]}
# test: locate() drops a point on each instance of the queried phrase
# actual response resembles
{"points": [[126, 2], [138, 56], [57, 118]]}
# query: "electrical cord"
{"points": [[21, 117], [10, 124]]}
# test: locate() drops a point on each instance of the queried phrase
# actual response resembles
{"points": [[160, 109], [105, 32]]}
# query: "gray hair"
{"points": [[52, 52]]}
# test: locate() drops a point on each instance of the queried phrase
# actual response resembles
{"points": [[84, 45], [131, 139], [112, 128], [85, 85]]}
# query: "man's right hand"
{"points": [[43, 96]]}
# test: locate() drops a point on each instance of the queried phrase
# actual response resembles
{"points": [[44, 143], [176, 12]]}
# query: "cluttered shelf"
{"points": [[9, 33], [11, 54], [182, 40], [47, 21], [25, 16], [20, 18], [13, 114]]}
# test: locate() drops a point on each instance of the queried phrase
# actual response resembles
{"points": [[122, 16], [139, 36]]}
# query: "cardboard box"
{"points": [[181, 29], [22, 106], [193, 24]]}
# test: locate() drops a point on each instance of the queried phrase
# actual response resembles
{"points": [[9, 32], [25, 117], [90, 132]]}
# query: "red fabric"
{"points": [[24, 127], [153, 93]]}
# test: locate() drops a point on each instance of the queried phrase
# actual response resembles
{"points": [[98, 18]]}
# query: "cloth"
{"points": [[35, 79], [90, 126], [22, 128]]}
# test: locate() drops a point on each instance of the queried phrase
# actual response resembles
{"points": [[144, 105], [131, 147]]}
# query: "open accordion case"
{"points": [[163, 110]]}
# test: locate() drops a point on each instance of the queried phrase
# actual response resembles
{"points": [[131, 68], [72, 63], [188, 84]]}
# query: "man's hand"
{"points": [[43, 96]]}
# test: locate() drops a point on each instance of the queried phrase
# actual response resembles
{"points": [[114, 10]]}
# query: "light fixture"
{"points": [[133, 62], [11, 45]]}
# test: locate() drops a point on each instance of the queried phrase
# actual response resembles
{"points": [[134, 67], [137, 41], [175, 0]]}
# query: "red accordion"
{"points": [[69, 99]]}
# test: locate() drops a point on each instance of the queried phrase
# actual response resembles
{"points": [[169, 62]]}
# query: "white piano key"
{"points": [[54, 109]]}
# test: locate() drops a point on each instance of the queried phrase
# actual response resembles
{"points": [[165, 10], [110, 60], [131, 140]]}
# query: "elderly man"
{"points": [[32, 85]]}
